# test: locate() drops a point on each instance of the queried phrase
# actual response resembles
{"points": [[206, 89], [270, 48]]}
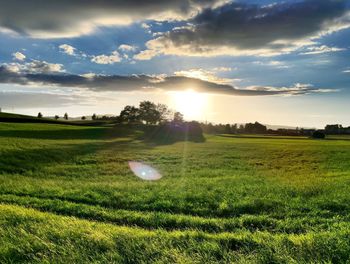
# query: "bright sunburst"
{"points": [[191, 104]]}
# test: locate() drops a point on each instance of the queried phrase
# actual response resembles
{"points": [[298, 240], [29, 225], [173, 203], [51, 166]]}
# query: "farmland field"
{"points": [[68, 196]]}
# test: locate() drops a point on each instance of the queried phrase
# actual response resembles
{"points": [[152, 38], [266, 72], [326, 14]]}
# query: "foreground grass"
{"points": [[230, 199]]}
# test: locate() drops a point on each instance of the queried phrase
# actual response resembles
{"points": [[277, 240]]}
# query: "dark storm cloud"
{"points": [[144, 83], [251, 27], [66, 17]]}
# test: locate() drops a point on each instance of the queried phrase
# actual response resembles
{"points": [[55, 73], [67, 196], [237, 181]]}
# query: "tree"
{"points": [[234, 128], [57, 117], [40, 115], [130, 114], [94, 117], [318, 134], [178, 117], [165, 114], [255, 128], [149, 113], [83, 118], [228, 129], [333, 129], [65, 116]]}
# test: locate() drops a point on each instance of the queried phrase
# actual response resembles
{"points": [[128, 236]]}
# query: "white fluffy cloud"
{"points": [[126, 48], [321, 49], [204, 75], [107, 59], [68, 49], [35, 67], [19, 56], [223, 69], [273, 63]]}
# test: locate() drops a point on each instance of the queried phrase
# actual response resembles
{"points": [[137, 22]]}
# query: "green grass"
{"points": [[68, 196], [16, 118]]}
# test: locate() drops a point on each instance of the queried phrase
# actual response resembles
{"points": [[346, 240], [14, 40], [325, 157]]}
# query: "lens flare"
{"points": [[144, 171]]}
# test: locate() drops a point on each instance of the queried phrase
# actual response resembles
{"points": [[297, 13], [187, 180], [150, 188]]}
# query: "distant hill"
{"points": [[7, 117], [17, 118]]}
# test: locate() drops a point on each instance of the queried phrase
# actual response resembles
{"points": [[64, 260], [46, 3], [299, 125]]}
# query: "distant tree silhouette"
{"points": [[318, 134], [40, 115], [130, 114], [83, 118], [148, 112], [165, 114], [94, 117], [333, 129], [172, 132], [178, 117], [255, 128], [57, 117], [234, 128], [65, 116], [228, 129]]}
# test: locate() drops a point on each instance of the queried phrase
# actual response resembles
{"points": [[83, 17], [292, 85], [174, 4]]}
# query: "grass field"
{"points": [[68, 196]]}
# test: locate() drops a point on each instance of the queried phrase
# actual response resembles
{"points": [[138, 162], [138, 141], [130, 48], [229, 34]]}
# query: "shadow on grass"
{"points": [[122, 138], [28, 161], [93, 133], [155, 134], [170, 133]]}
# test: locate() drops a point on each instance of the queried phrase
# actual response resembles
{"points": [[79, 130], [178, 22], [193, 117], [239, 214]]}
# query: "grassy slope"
{"points": [[226, 200], [16, 118], [8, 117]]}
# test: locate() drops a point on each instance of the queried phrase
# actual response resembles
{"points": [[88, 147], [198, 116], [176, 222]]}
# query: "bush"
{"points": [[177, 131], [318, 134]]}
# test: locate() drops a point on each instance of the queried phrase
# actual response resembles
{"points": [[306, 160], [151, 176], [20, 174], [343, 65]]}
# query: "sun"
{"points": [[191, 104]]}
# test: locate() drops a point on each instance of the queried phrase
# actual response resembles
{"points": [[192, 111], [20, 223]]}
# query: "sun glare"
{"points": [[191, 104]]}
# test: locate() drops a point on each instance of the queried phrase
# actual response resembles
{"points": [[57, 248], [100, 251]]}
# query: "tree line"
{"points": [[147, 113], [150, 113], [248, 128]]}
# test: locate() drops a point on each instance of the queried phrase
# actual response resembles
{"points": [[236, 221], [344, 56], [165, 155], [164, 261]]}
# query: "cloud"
{"points": [[223, 69], [107, 59], [321, 49], [18, 56], [242, 29], [296, 89], [145, 26], [145, 83], [68, 18], [346, 71], [35, 66], [276, 64], [204, 75], [68, 49], [147, 54], [126, 48]]}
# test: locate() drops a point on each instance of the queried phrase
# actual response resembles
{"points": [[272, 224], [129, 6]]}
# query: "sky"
{"points": [[221, 61]]}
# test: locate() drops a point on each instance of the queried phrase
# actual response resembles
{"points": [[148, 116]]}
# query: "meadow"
{"points": [[67, 195]]}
